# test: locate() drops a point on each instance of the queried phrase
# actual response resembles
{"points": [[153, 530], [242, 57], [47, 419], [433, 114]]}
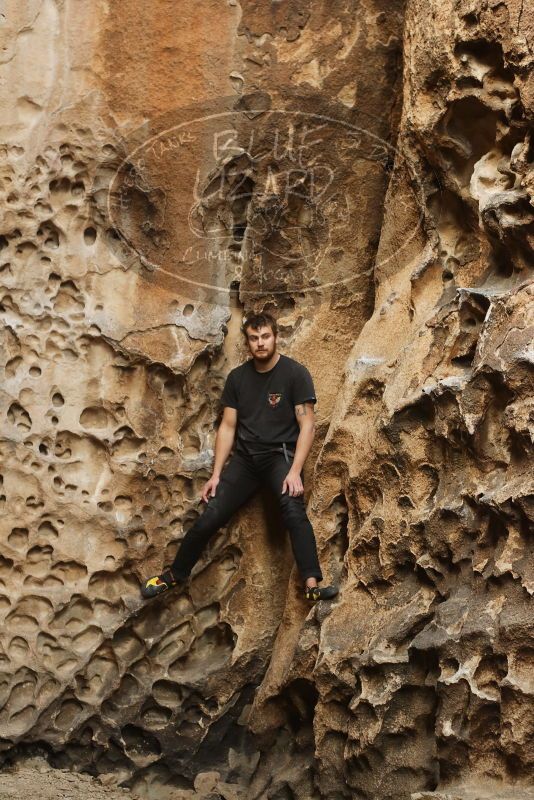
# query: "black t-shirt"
{"points": [[265, 402]]}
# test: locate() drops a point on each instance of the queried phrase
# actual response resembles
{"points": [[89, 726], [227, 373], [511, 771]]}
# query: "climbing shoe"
{"points": [[158, 584], [314, 593]]}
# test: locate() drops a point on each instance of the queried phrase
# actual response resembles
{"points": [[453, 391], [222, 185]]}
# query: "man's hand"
{"points": [[209, 488], [293, 484]]}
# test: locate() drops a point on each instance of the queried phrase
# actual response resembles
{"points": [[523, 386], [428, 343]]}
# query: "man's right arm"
{"points": [[223, 444], [224, 439]]}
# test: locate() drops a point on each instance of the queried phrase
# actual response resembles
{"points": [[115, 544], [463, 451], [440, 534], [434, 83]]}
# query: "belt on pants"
{"points": [[284, 448], [286, 451]]}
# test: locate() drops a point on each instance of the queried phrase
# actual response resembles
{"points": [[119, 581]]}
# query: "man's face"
{"points": [[261, 342]]}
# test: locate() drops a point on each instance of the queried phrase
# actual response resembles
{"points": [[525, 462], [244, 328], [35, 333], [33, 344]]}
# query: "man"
{"points": [[269, 401]]}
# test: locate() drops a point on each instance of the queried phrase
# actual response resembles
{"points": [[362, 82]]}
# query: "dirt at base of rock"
{"points": [[478, 791], [36, 779], [44, 783]]}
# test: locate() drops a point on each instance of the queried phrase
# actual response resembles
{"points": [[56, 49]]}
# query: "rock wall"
{"points": [[404, 285]]}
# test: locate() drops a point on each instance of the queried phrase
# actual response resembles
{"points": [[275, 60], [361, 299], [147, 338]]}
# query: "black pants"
{"points": [[240, 479]]}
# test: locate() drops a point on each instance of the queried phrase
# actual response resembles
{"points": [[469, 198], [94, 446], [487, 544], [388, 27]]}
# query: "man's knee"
{"points": [[211, 518], [293, 508]]}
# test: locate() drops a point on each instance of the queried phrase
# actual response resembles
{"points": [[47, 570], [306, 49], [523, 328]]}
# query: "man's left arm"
{"points": [[304, 413]]}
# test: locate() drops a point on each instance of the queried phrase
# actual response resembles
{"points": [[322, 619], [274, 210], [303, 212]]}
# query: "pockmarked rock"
{"points": [[365, 173]]}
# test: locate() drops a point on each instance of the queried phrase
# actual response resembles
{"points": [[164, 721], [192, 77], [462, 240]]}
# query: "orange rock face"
{"points": [[363, 170]]}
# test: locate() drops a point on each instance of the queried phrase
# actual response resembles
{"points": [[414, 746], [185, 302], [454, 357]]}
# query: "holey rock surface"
{"points": [[416, 323]]}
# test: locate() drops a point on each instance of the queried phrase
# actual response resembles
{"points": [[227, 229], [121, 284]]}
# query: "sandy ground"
{"points": [[42, 783], [478, 791], [34, 779]]}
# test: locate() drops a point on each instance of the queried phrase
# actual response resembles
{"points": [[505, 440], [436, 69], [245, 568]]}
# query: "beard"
{"points": [[268, 349], [267, 353]]}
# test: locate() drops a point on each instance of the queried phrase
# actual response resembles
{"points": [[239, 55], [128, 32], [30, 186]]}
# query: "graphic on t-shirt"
{"points": [[274, 399]]}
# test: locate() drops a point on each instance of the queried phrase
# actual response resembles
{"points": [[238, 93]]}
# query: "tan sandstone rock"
{"points": [[363, 170]]}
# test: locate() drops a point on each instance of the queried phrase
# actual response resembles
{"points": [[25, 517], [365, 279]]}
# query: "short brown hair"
{"points": [[256, 321]]}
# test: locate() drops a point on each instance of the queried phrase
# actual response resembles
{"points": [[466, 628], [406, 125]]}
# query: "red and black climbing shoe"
{"points": [[315, 593], [158, 584]]}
